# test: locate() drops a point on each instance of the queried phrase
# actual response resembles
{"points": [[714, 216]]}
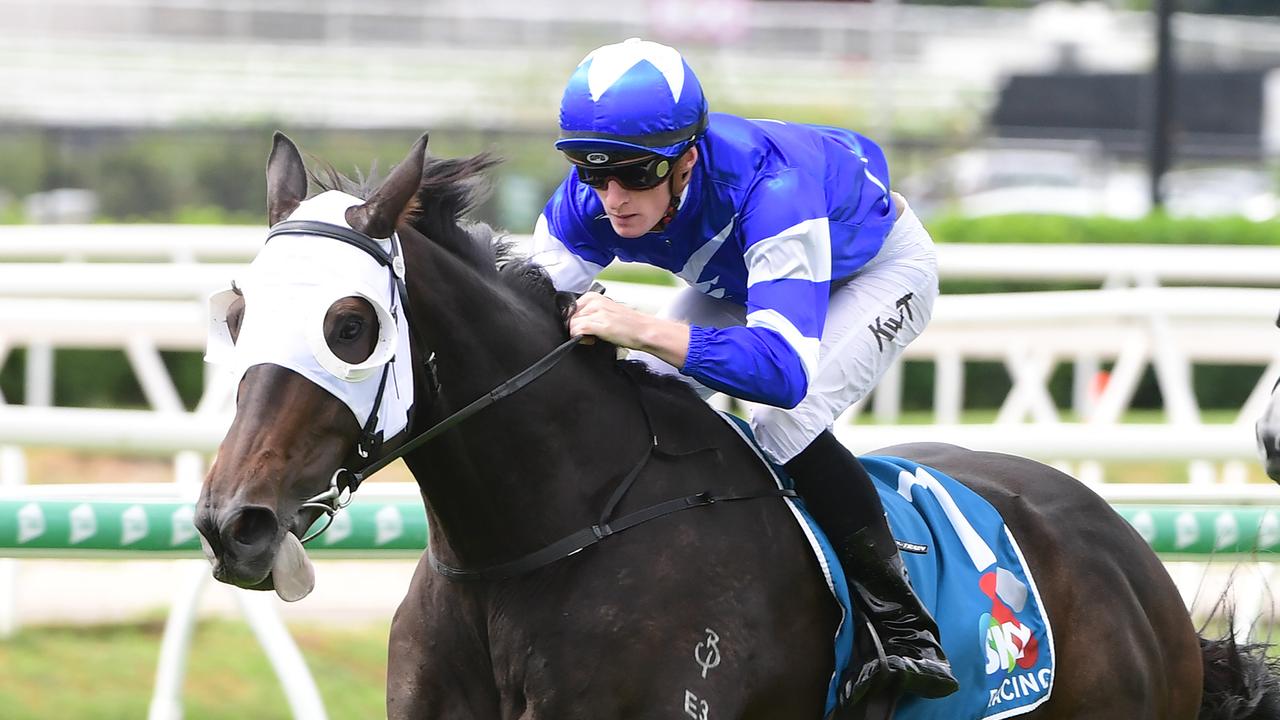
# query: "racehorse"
{"points": [[505, 620]]}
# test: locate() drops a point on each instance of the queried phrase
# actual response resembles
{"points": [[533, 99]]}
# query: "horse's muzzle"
{"points": [[243, 543]]}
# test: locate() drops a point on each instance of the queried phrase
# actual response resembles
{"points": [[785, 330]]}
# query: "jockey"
{"points": [[807, 279]]}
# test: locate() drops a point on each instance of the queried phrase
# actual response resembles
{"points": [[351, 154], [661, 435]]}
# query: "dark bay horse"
{"points": [[619, 630]]}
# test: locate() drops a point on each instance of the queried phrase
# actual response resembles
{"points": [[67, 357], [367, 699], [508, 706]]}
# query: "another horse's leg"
{"points": [[436, 665]]}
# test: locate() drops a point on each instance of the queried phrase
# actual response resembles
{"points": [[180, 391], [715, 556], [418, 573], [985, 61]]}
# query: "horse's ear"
{"points": [[380, 214], [286, 179]]}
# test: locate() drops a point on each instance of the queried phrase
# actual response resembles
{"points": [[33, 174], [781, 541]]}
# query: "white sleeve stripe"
{"points": [[567, 270], [876, 180], [801, 252], [697, 262], [805, 347]]}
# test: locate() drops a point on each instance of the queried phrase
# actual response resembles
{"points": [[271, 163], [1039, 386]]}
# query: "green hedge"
{"points": [[986, 383], [1155, 229]]}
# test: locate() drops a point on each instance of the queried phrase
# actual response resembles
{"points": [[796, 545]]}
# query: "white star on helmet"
{"points": [[611, 62]]}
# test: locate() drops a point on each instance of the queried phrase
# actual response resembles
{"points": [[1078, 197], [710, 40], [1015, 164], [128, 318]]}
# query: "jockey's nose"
{"points": [[615, 194]]}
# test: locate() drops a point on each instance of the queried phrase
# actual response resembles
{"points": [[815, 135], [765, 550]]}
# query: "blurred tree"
{"points": [[135, 184], [22, 157], [229, 172]]}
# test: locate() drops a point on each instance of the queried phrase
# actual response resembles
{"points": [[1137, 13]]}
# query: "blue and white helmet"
{"points": [[632, 96]]}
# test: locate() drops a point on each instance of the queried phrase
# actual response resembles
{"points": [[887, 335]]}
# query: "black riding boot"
{"points": [[841, 498]]}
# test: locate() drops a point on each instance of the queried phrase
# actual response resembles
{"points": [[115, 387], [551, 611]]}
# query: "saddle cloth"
{"points": [[967, 568]]}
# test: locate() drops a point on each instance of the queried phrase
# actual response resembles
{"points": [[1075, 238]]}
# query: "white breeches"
{"points": [[870, 319]]}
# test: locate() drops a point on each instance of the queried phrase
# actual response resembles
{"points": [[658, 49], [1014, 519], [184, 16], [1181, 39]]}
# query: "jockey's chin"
{"points": [[632, 213]]}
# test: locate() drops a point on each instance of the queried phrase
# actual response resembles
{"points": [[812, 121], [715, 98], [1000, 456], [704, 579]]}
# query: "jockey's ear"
{"points": [[286, 179], [384, 210], [683, 166], [688, 159]]}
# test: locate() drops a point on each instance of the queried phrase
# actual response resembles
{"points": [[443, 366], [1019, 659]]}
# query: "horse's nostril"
{"points": [[252, 526]]}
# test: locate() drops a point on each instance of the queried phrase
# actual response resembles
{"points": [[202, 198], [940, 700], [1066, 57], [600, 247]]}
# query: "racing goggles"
{"points": [[644, 172]]}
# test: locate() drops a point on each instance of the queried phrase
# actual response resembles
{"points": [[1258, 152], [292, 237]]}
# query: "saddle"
{"points": [[968, 570]]}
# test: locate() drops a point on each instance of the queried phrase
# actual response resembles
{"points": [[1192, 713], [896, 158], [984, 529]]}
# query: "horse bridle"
{"points": [[344, 482]]}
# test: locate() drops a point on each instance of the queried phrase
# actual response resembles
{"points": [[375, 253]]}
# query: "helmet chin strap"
{"points": [[673, 206]]}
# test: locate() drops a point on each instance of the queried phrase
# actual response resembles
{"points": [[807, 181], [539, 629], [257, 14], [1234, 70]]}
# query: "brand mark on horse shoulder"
{"points": [[695, 707], [707, 652], [886, 328]]}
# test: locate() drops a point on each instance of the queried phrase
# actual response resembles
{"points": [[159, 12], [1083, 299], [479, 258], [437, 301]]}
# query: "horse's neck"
{"points": [[534, 466]]}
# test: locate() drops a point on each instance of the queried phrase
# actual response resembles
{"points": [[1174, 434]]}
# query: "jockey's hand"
{"points": [[596, 316]]}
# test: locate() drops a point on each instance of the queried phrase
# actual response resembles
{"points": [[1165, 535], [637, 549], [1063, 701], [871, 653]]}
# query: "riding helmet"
{"points": [[631, 97]]}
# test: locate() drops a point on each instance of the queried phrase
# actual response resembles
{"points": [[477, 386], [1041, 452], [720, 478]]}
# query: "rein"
{"points": [[344, 482]]}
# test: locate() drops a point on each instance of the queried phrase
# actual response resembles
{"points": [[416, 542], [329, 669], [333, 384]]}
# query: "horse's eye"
{"points": [[351, 329]]}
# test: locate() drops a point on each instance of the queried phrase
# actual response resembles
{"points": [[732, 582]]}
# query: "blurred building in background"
{"points": [[192, 87]]}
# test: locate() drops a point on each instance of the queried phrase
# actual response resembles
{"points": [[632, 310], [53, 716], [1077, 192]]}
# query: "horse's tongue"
{"points": [[292, 574]]}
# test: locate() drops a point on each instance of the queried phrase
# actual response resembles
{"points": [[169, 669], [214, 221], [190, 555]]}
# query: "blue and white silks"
{"points": [[774, 213], [968, 570]]}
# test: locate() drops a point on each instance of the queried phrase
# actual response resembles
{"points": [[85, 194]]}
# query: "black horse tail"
{"points": [[1240, 681]]}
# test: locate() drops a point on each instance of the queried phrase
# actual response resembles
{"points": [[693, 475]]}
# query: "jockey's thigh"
{"points": [[870, 319]]}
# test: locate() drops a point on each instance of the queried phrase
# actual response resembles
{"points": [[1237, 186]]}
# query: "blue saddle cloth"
{"points": [[968, 570]]}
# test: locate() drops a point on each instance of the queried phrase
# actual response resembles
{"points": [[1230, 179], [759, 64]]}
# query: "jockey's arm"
{"points": [[770, 359], [572, 269], [787, 253], [598, 316]]}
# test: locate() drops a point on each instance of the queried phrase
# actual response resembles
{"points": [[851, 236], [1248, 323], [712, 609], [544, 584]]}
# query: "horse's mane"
{"points": [[452, 187]]}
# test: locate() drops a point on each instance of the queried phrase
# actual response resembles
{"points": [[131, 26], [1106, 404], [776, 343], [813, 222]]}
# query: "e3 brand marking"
{"points": [[696, 708]]}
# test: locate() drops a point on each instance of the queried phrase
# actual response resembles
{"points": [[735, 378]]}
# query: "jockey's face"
{"points": [[632, 213]]}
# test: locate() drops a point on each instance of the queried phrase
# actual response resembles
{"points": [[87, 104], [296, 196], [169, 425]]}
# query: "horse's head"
{"points": [[317, 332]]}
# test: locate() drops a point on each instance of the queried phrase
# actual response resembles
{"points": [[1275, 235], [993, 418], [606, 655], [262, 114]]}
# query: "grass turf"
{"points": [[108, 672]]}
